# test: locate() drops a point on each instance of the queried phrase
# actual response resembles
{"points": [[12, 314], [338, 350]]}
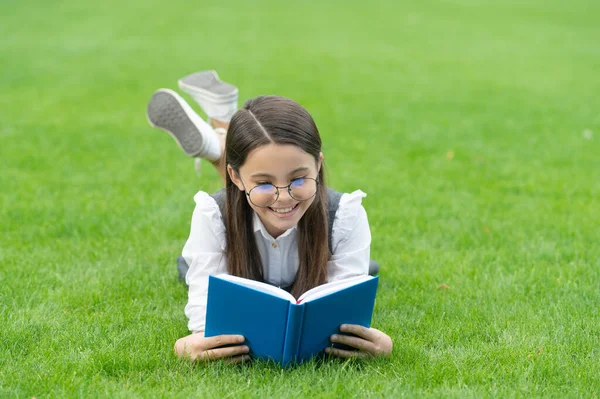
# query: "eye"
{"points": [[263, 188], [299, 182]]}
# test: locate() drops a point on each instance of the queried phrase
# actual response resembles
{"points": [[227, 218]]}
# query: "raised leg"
{"points": [[197, 138], [220, 164]]}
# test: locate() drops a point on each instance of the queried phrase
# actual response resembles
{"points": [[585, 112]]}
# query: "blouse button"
{"points": [[274, 245]]}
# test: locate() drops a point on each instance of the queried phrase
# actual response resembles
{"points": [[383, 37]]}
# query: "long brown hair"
{"points": [[265, 120]]}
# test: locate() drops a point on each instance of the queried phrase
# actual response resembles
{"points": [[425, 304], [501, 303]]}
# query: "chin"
{"points": [[283, 223]]}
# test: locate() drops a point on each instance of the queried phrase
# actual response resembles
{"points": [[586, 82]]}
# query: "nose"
{"points": [[284, 195]]}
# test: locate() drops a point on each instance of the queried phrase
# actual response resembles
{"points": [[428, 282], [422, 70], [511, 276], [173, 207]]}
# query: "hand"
{"points": [[370, 342], [197, 347]]}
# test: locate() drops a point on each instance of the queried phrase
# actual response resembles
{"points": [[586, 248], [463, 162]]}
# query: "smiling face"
{"points": [[279, 165]]}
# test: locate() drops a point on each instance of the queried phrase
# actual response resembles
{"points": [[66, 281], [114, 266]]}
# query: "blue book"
{"points": [[276, 325]]}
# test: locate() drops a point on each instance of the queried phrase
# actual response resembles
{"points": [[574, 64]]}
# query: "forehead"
{"points": [[278, 160]]}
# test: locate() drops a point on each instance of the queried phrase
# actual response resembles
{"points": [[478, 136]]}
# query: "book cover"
{"points": [[279, 327]]}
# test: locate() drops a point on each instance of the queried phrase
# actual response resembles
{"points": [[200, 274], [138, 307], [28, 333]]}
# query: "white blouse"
{"points": [[204, 250]]}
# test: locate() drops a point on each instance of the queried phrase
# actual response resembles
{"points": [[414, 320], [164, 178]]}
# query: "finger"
{"points": [[219, 353], [355, 342], [346, 354], [363, 332], [238, 359], [220, 340]]}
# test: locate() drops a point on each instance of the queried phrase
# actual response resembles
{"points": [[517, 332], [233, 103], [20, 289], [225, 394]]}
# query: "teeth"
{"points": [[283, 210]]}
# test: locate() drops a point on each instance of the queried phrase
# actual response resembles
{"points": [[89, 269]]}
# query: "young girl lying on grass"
{"points": [[275, 226]]}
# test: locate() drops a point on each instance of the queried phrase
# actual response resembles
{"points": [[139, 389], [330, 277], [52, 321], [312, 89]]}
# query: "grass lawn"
{"points": [[474, 126]]}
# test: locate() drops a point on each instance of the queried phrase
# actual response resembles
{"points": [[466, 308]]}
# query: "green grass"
{"points": [[463, 120]]}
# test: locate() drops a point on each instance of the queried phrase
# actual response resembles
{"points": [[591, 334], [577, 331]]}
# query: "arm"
{"points": [[352, 242], [203, 251]]}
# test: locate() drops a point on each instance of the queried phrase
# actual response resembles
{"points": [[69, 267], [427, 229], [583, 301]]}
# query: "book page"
{"points": [[262, 287], [328, 288]]}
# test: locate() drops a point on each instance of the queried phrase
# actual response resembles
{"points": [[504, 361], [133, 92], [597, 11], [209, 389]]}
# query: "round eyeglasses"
{"points": [[267, 194]]}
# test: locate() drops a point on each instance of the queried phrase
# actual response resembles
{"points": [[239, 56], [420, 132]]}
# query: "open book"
{"points": [[278, 326]]}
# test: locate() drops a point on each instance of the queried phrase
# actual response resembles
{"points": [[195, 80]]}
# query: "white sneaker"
{"points": [[169, 112], [218, 99]]}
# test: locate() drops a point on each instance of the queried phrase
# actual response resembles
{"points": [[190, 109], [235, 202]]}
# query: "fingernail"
{"points": [[343, 327], [246, 349], [241, 338], [327, 350], [334, 337]]}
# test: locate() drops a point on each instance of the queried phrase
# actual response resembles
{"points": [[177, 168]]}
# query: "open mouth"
{"points": [[283, 212]]}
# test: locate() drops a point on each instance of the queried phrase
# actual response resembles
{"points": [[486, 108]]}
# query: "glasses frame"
{"points": [[289, 190]]}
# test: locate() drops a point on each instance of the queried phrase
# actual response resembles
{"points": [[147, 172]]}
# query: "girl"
{"points": [[275, 226]]}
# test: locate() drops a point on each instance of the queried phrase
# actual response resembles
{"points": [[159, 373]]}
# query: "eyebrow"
{"points": [[300, 169]]}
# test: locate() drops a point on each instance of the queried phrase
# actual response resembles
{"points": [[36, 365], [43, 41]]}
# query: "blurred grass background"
{"points": [[474, 127]]}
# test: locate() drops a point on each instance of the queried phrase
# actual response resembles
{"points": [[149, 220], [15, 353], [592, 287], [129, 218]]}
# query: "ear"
{"points": [[320, 163], [235, 178]]}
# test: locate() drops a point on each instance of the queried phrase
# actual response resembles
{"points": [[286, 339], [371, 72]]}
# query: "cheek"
{"points": [[306, 204], [254, 207]]}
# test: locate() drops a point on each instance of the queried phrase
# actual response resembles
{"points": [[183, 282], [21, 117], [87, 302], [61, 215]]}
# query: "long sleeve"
{"points": [[204, 253], [351, 241]]}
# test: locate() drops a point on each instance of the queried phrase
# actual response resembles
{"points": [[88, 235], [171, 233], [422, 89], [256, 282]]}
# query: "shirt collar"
{"points": [[259, 226]]}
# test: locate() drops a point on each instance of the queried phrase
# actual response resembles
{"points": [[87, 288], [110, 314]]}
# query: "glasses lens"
{"points": [[263, 195], [303, 189]]}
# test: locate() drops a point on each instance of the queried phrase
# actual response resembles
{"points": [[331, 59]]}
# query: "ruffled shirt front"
{"points": [[204, 250]]}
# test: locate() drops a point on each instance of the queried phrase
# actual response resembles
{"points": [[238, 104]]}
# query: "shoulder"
{"points": [[207, 218], [349, 215], [351, 200], [350, 207], [206, 203]]}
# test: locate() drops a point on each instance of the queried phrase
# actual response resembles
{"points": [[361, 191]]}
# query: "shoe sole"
{"points": [[167, 111], [208, 85]]}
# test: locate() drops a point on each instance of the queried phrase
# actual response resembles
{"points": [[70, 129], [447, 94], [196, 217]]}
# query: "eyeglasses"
{"points": [[265, 195]]}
